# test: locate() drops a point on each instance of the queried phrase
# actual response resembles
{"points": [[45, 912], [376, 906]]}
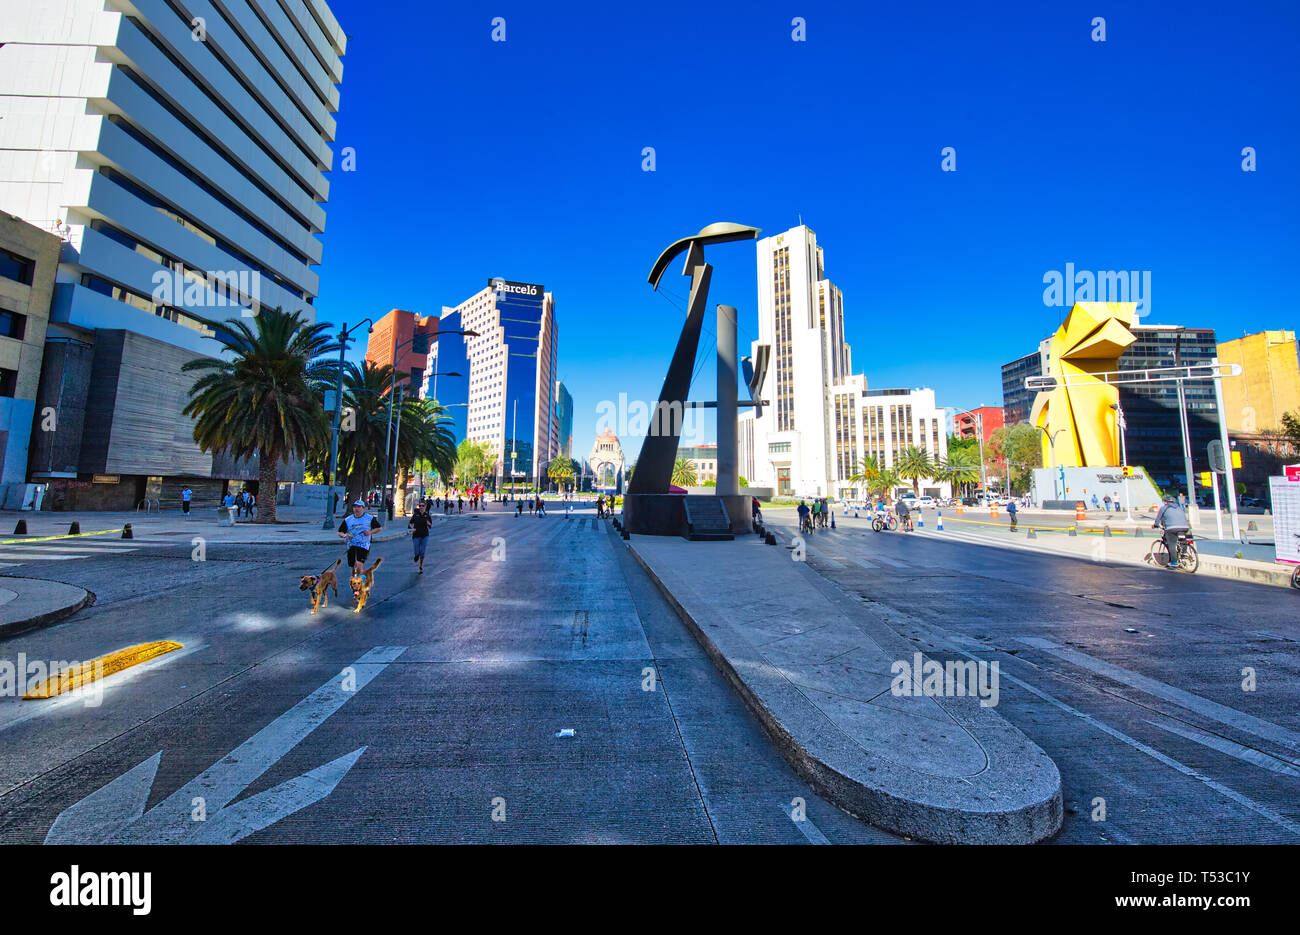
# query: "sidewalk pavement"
{"points": [[1127, 543], [294, 526], [30, 603], [817, 667]]}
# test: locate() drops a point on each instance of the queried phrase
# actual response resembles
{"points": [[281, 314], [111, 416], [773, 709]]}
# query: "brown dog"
{"points": [[319, 584], [362, 583]]}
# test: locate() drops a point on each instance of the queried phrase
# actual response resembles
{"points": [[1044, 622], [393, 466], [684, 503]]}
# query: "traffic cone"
{"points": [[939, 528], [21, 528], [920, 520], [126, 532], [832, 521]]}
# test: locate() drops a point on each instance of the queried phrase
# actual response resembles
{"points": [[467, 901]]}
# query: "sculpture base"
{"points": [[664, 514]]}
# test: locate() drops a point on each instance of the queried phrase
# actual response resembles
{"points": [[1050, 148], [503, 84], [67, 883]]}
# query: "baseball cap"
{"points": [[359, 503]]}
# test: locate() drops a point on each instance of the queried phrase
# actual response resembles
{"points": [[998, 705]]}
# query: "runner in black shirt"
{"points": [[419, 526]]}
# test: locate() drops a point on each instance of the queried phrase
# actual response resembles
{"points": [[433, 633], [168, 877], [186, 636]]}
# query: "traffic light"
{"points": [[1205, 479], [1128, 471], [420, 343], [1236, 459]]}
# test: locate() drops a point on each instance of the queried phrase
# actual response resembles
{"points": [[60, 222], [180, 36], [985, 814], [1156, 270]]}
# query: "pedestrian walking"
{"points": [[1011, 513], [600, 507], [186, 496], [1106, 500], [419, 525], [460, 505], [1096, 504]]}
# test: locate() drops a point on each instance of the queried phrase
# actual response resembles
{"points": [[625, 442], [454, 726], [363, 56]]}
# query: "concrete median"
{"points": [[827, 682]]}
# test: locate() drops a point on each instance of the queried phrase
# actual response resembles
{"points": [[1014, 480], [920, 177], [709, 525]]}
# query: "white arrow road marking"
{"points": [[115, 813]]}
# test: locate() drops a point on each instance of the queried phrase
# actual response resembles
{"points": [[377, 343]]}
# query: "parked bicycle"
{"points": [[1188, 559]]}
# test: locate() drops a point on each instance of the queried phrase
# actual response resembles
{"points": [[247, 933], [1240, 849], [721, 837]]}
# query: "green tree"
{"points": [[1020, 447], [474, 461], [743, 481], [874, 478], [561, 471], [427, 437], [364, 426], [1291, 427], [912, 464], [961, 469], [261, 397], [683, 473]]}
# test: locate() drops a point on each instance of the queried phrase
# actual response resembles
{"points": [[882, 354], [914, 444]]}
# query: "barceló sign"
{"points": [[1292, 472]]}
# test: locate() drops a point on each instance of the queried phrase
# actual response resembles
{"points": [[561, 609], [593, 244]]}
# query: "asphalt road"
{"points": [[461, 678], [1131, 678], [437, 710]]}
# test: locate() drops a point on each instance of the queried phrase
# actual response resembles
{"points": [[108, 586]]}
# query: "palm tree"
{"points": [[865, 473], [261, 396], [683, 473], [961, 469], [365, 425], [426, 436], [913, 464], [560, 470]]}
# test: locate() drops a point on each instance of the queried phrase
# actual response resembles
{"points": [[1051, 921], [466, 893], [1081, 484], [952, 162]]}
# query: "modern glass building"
{"points": [[1016, 400], [564, 417], [509, 398]]}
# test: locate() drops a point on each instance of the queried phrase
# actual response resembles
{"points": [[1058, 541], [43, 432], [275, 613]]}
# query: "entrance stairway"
{"points": [[706, 520]]}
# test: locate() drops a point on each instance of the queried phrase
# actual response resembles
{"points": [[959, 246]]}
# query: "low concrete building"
{"points": [[29, 259]]}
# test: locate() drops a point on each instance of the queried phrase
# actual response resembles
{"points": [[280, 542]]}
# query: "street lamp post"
{"points": [[422, 337], [1051, 442], [1120, 426], [344, 334]]}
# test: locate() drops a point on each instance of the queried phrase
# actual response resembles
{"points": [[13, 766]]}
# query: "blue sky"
{"points": [[522, 159]]}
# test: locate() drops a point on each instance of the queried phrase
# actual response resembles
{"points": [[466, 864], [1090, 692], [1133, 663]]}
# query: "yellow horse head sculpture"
{"points": [[1089, 342]]}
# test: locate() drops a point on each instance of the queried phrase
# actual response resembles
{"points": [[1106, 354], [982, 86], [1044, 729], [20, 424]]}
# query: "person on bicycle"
{"points": [[904, 514], [804, 513], [1172, 518]]}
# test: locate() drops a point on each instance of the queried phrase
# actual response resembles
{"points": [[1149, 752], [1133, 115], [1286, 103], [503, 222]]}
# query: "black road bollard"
{"points": [[1106, 532], [127, 533], [1032, 534], [74, 529], [1074, 530], [21, 528]]}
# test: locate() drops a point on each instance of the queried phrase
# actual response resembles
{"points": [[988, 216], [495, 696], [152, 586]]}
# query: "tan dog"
{"points": [[319, 584], [362, 583]]}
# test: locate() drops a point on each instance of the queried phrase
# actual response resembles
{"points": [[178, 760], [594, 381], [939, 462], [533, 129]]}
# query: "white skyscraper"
{"points": [[822, 420], [180, 150]]}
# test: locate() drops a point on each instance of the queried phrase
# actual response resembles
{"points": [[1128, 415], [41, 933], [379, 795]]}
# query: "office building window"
{"points": [[15, 267], [8, 382], [13, 325], [778, 448]]}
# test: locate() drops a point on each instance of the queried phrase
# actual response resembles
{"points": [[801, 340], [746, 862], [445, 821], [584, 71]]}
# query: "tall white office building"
{"points": [[821, 420], [181, 152]]}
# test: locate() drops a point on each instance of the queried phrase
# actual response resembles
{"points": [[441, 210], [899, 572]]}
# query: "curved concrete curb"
{"points": [[41, 606], [1015, 798]]}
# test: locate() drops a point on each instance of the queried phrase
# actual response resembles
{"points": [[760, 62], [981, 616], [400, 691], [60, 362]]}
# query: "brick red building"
{"points": [[395, 330]]}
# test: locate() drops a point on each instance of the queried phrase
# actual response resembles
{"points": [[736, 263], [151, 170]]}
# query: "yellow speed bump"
{"points": [[85, 672], [80, 535]]}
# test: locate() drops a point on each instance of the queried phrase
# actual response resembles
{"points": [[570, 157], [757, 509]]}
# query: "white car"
{"points": [[924, 503]]}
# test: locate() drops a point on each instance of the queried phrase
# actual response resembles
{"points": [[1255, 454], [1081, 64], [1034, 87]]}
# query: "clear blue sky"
{"points": [[523, 159]]}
